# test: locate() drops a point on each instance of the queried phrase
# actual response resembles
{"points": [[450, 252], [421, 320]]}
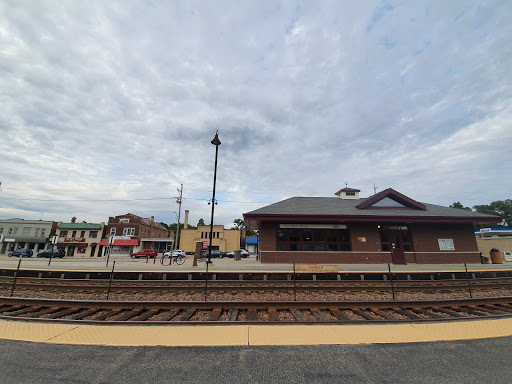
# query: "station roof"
{"points": [[388, 205]]}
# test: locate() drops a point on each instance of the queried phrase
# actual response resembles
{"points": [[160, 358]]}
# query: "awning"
{"points": [[120, 242]]}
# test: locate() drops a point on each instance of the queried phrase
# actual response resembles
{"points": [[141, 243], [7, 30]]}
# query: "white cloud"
{"points": [[119, 101]]}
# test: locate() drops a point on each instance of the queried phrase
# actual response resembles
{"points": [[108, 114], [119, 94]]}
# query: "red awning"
{"points": [[120, 242]]}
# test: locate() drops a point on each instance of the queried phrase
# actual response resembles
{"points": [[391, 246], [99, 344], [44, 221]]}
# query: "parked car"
{"points": [[145, 253], [22, 252], [176, 252], [50, 253], [215, 253], [243, 253]]}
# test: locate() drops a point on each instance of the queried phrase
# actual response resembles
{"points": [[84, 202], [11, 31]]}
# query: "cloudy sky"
{"points": [[106, 107]]}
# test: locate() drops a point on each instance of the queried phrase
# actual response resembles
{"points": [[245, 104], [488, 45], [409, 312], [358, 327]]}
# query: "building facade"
{"points": [[132, 232], [388, 227], [80, 239], [224, 240], [29, 234], [495, 238]]}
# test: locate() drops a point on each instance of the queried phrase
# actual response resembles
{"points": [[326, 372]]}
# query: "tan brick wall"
{"points": [[228, 240], [502, 243]]}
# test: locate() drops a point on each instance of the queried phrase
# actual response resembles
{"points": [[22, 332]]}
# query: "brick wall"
{"points": [[424, 236]]}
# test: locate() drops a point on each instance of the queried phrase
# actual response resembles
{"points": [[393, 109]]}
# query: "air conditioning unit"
{"points": [[507, 255]]}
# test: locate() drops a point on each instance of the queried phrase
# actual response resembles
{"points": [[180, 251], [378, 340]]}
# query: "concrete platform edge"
{"points": [[254, 335]]}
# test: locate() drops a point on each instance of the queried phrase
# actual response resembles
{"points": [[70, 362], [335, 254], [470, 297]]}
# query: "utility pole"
{"points": [[178, 200]]}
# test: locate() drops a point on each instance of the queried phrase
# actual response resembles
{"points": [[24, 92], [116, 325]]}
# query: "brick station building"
{"points": [[387, 227]]}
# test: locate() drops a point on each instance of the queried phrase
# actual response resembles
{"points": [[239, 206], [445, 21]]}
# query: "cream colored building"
{"points": [[499, 238], [225, 240]]}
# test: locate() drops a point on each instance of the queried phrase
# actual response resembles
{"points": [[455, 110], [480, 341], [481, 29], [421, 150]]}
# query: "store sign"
{"points": [[313, 226], [313, 268], [362, 239], [205, 244], [74, 240]]}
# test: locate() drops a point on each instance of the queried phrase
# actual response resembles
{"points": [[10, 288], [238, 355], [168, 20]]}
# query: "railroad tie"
{"points": [[169, 315], [214, 314], [425, 312], [319, 315], [81, 315], [64, 312], [107, 314], [252, 314], [406, 313], [495, 309], [297, 315], [383, 314], [504, 305], [146, 315], [272, 314], [476, 310], [24, 310], [365, 315], [338, 314], [187, 315], [448, 311], [232, 315]]}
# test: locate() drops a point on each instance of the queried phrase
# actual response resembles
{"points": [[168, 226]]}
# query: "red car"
{"points": [[145, 253]]}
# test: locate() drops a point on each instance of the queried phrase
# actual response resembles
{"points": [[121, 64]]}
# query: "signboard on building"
{"points": [[313, 268], [313, 226], [74, 240], [205, 244]]}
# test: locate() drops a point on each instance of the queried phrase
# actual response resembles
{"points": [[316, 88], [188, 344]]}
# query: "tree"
{"points": [[459, 206], [200, 222], [240, 225], [499, 208]]}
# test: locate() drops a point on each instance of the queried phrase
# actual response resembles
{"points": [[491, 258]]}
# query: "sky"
{"points": [[107, 107]]}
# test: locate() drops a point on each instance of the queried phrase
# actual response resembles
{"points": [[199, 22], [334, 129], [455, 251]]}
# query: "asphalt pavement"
{"points": [[472, 361]]}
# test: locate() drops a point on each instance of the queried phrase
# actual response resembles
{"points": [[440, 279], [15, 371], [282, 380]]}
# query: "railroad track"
{"points": [[194, 312], [53, 284]]}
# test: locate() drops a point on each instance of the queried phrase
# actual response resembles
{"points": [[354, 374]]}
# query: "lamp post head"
{"points": [[216, 140]]}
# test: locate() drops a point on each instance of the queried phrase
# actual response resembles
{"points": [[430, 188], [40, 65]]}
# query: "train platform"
{"points": [[252, 335], [243, 335]]}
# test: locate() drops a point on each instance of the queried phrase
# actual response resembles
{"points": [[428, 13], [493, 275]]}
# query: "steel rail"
{"points": [[247, 285]]}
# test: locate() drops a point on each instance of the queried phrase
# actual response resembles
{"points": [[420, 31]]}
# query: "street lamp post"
{"points": [[215, 142]]}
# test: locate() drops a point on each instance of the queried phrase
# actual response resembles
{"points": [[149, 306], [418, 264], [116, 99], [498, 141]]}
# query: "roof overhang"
{"points": [[253, 222]]}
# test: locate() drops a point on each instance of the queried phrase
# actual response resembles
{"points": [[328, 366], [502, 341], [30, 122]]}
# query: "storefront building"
{"points": [[28, 234], [388, 227], [224, 240], [132, 233], [80, 239]]}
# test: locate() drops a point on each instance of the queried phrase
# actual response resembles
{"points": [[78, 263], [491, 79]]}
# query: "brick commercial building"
{"points": [[132, 232], [388, 227]]}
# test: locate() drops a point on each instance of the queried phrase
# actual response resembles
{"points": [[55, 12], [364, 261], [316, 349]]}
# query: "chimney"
{"points": [[152, 220], [185, 224], [73, 220]]}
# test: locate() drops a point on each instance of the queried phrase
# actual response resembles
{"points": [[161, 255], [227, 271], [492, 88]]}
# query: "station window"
{"points": [[313, 240]]}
